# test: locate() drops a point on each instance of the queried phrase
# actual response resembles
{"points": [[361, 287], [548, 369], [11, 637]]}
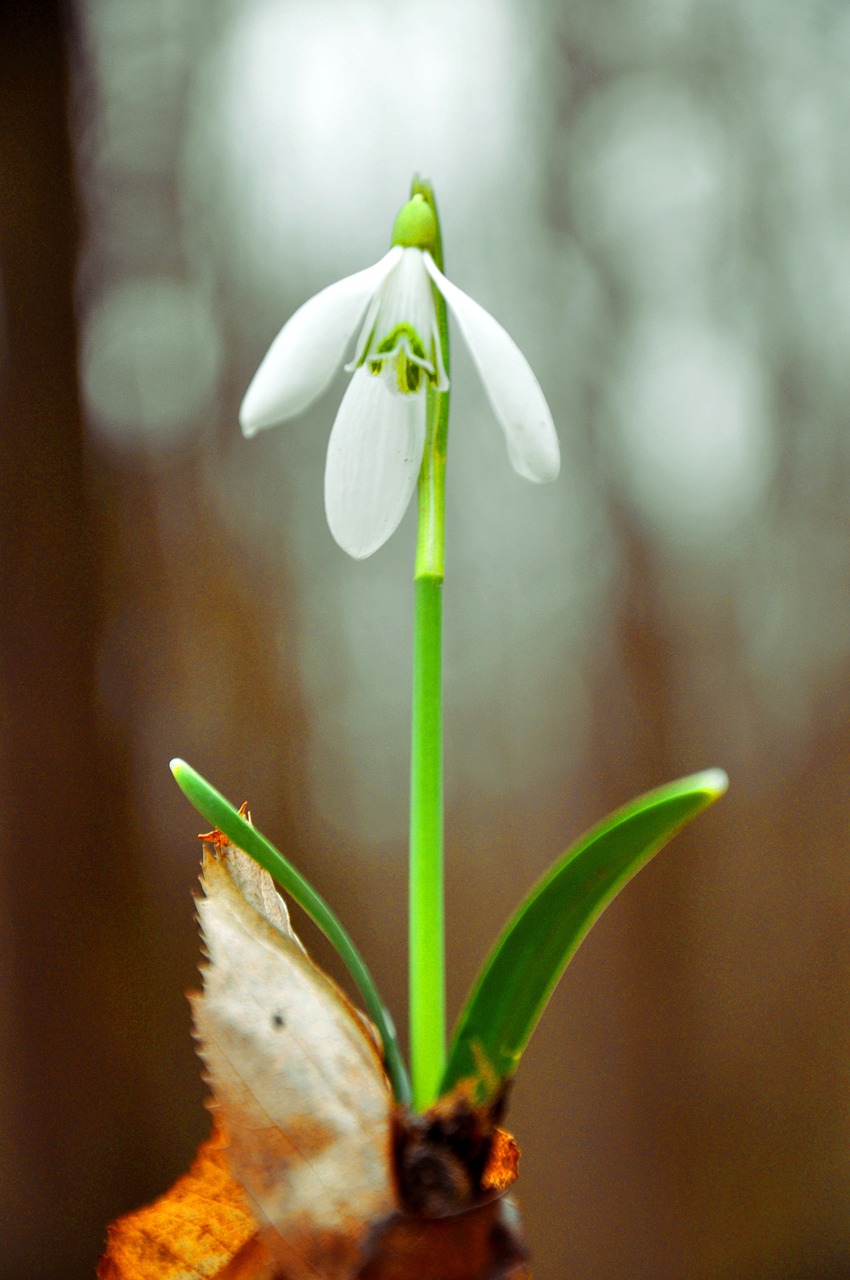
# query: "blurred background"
{"points": [[654, 198]]}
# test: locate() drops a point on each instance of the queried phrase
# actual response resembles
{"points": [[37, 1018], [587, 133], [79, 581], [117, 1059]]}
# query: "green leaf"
{"points": [[525, 965], [218, 811]]}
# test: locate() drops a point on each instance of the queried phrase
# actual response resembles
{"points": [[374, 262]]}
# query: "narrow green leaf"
{"points": [[525, 965], [218, 811]]}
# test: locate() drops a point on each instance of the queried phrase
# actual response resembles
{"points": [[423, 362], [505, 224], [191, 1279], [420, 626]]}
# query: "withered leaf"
{"points": [[191, 1233], [297, 1081]]}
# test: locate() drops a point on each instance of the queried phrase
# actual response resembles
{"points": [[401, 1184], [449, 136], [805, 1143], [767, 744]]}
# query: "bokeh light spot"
{"points": [[150, 361], [693, 425]]}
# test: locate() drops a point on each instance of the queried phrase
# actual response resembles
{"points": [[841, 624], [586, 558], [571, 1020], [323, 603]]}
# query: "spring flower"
{"points": [[376, 444]]}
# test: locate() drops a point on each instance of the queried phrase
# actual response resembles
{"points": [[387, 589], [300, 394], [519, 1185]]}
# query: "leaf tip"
{"points": [[185, 777], [714, 782]]}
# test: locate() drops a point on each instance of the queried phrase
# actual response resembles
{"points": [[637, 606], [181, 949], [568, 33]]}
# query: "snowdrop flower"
{"points": [[378, 437]]}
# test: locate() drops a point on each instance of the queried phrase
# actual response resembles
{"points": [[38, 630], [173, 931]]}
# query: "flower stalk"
{"points": [[426, 910], [427, 929]]}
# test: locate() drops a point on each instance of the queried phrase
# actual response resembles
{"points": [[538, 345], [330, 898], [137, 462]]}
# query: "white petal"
{"points": [[309, 348], [512, 389], [374, 455]]}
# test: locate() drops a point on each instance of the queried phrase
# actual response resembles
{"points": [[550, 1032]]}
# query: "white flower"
{"points": [[376, 445]]}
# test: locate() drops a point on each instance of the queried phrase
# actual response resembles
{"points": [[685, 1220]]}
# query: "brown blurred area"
{"points": [[169, 589]]}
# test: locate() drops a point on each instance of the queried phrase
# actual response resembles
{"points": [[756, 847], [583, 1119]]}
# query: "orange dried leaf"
{"points": [[217, 837], [190, 1233], [503, 1162]]}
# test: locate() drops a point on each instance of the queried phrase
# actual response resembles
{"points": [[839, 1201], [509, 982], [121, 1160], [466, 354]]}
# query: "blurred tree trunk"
{"points": [[68, 888]]}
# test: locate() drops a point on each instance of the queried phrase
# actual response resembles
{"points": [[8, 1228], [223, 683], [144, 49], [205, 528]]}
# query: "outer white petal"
{"points": [[374, 455], [512, 389], [309, 348]]}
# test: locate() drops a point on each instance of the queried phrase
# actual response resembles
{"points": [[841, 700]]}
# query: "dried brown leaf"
{"points": [[297, 1081], [191, 1233]]}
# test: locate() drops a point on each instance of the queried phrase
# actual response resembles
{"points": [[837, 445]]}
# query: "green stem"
{"points": [[427, 932], [427, 961]]}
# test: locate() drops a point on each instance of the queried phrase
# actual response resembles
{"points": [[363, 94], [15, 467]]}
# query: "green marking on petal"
{"points": [[408, 375], [398, 335], [406, 350]]}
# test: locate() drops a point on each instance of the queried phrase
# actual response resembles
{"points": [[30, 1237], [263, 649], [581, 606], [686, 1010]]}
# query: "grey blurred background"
{"points": [[654, 198]]}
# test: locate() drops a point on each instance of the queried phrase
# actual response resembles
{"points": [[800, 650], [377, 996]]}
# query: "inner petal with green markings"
{"points": [[400, 341]]}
